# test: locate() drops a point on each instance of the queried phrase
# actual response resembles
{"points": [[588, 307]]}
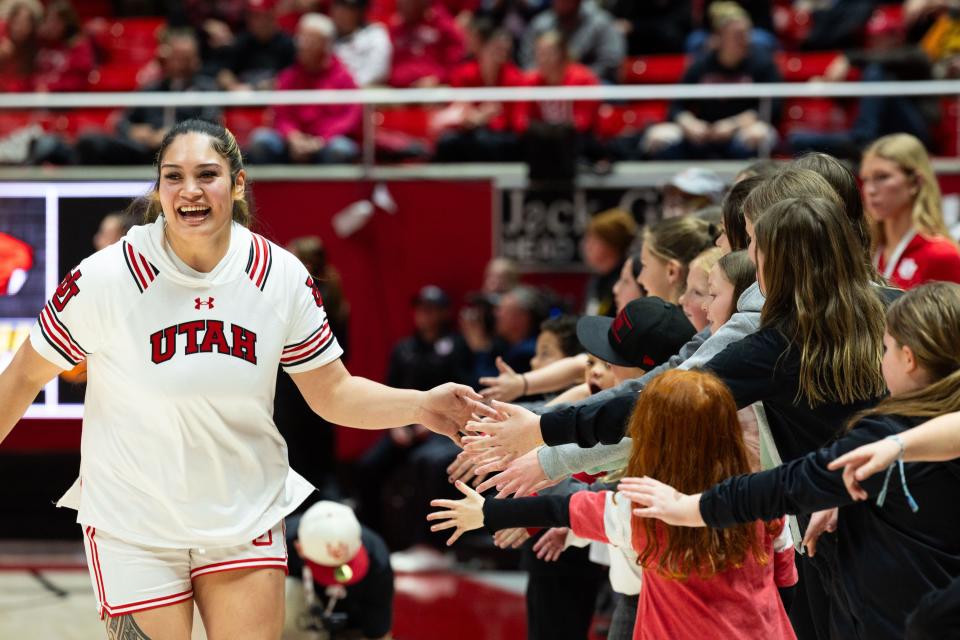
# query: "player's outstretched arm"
{"points": [[352, 401], [20, 383]]}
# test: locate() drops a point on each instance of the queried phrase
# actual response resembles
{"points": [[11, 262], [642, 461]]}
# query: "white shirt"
{"points": [[366, 53], [179, 448]]}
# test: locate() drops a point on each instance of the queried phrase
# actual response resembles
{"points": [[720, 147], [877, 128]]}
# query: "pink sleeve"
{"points": [[586, 514], [784, 557], [284, 118]]}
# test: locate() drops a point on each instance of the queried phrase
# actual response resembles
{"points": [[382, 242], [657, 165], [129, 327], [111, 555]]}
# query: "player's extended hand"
{"points": [[513, 434], [521, 477], [661, 501], [820, 522], [447, 408], [510, 538], [506, 387], [863, 462], [463, 515], [551, 544]]}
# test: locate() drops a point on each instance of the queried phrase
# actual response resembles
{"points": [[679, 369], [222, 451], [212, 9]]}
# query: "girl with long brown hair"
{"points": [[902, 543], [684, 427]]}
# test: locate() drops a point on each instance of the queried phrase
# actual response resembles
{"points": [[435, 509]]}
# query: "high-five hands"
{"points": [[462, 515], [661, 501]]}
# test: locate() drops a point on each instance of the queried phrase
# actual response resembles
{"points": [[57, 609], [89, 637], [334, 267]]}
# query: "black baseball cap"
{"points": [[645, 334], [432, 294]]}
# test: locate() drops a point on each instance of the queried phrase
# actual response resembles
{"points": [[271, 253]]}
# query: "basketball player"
{"points": [[184, 480]]}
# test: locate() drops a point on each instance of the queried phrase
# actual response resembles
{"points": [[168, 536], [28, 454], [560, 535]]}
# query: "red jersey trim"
{"points": [[260, 262], [141, 270]]}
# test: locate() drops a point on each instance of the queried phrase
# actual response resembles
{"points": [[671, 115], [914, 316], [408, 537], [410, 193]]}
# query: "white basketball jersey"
{"points": [[179, 448]]}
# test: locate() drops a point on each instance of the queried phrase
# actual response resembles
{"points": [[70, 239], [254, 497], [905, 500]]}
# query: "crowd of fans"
{"points": [[242, 45]]}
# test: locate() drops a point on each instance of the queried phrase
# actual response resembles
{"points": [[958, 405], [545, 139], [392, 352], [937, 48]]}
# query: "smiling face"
{"points": [[196, 194]]}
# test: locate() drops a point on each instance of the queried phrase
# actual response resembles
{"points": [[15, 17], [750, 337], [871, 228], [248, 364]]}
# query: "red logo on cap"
{"points": [[618, 324], [648, 361]]}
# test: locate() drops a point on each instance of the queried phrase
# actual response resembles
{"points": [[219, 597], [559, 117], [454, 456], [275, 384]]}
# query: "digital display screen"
{"points": [[46, 229]]}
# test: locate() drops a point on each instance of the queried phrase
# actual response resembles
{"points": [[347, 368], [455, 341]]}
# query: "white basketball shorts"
{"points": [[128, 577]]}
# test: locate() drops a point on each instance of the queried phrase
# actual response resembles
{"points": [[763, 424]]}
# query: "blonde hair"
{"points": [[926, 319], [707, 259], [908, 153], [680, 239]]}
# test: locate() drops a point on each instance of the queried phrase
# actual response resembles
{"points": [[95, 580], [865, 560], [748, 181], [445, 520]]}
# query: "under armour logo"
{"points": [[197, 303]]}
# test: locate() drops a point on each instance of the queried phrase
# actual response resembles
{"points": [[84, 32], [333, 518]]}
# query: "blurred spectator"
{"points": [[724, 128], [478, 327], [556, 132], [605, 245], [691, 190], [941, 42], [364, 48], [434, 354], [761, 32], [501, 275], [66, 56], [587, 30], [653, 26], [311, 440], [888, 59], [19, 45], [258, 53], [141, 129], [836, 24], [215, 24], [481, 132], [112, 228], [312, 132], [426, 44], [518, 314], [511, 15]]}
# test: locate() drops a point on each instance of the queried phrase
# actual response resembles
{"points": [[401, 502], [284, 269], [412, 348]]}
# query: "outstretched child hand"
{"points": [[661, 501], [464, 515]]}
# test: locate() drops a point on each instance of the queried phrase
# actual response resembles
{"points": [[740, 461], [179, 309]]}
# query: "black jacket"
{"points": [[889, 557], [762, 366]]}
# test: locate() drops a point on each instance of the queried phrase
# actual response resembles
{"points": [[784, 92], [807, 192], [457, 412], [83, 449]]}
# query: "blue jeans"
{"points": [[267, 146]]}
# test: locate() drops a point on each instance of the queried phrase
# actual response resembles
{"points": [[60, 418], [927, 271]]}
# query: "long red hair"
{"points": [[686, 434]]}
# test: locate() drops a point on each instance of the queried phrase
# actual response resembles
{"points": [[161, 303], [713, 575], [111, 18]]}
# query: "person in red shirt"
{"points": [[696, 583], [322, 133], [426, 44], [481, 132], [556, 132], [901, 193], [19, 44], [66, 56]]}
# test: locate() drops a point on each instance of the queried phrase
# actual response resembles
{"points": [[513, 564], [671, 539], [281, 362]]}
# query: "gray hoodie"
{"points": [[561, 461]]}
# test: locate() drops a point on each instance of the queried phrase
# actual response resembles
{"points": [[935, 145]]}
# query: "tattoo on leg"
{"points": [[124, 628]]}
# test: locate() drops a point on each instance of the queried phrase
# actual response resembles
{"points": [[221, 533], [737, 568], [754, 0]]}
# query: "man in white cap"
{"points": [[690, 190], [347, 586]]}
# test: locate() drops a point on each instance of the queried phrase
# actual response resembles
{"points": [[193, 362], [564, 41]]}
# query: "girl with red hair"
{"points": [[684, 428]]}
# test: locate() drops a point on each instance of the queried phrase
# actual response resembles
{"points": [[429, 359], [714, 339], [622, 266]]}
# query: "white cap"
{"points": [[699, 182], [329, 534]]}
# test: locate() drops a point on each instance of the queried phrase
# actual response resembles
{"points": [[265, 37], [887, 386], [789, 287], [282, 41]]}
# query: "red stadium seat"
{"points": [[130, 41], [11, 120], [814, 114], [77, 121], [116, 76], [411, 120], [800, 67], [617, 120], [665, 69]]}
